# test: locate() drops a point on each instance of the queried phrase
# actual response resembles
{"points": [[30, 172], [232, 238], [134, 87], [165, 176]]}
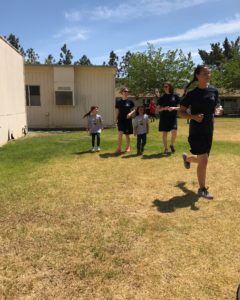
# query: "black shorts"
{"points": [[200, 144], [167, 123], [125, 126]]}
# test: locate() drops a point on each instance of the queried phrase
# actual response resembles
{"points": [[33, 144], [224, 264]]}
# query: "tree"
{"points": [[83, 61], [124, 64], [14, 41], [113, 59], [31, 57], [149, 70], [229, 76], [220, 54], [50, 60], [65, 56]]}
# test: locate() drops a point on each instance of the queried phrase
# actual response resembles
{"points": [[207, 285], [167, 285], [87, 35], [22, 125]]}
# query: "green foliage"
{"points": [[113, 59], [149, 70], [83, 61], [31, 57], [65, 56], [218, 54], [50, 60], [14, 41], [229, 75]]}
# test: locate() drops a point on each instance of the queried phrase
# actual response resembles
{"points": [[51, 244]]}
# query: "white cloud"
{"points": [[140, 8], [73, 16], [72, 34], [202, 32]]}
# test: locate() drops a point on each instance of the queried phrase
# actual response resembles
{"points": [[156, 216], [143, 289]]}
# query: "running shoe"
{"points": [[185, 162], [93, 149], [203, 192], [98, 149]]}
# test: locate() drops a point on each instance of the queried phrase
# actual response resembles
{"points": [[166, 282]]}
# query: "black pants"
{"points": [[98, 139], [141, 141]]}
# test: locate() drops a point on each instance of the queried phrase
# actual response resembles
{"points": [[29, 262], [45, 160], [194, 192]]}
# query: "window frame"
{"points": [[28, 95]]}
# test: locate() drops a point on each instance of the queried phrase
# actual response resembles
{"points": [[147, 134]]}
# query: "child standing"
{"points": [[94, 126], [141, 128]]}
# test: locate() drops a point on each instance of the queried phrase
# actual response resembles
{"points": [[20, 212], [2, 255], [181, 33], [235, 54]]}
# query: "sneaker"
{"points": [[172, 148], [128, 149], [98, 149], [203, 192], [93, 149], [185, 162]]}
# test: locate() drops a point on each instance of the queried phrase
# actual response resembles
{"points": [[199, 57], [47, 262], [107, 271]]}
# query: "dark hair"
{"points": [[137, 110], [91, 109], [170, 85], [197, 71]]}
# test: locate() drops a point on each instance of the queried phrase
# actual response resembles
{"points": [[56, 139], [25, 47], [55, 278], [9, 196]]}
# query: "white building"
{"points": [[58, 96], [12, 94]]}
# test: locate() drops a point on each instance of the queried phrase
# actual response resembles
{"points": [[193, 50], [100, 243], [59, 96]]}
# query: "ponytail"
{"points": [[196, 72], [88, 113]]}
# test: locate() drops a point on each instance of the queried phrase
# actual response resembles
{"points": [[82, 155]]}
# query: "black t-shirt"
{"points": [[169, 100], [124, 107], [202, 101]]}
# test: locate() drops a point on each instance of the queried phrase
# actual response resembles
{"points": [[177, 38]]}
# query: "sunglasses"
{"points": [[125, 91], [165, 86]]}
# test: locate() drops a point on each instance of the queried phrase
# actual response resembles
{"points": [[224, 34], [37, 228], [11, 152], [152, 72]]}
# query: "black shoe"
{"points": [[172, 148], [203, 192]]}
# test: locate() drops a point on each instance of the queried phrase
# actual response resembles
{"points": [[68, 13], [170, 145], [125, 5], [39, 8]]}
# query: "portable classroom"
{"points": [[57, 96], [12, 94]]}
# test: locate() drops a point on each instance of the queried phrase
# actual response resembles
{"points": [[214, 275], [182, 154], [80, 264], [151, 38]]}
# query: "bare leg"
{"points": [[202, 169], [174, 136], [164, 138], [127, 140], [120, 134]]}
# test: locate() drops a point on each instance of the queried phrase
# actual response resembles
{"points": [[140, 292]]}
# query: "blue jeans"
{"points": [[141, 141]]}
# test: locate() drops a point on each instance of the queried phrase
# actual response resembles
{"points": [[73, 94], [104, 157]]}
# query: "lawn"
{"points": [[81, 225]]}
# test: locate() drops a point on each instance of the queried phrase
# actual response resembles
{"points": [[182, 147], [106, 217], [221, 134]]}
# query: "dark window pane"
{"points": [[64, 98], [34, 90]]}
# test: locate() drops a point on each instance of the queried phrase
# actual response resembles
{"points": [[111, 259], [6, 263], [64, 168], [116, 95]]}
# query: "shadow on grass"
{"points": [[83, 152], [188, 200], [110, 154], [156, 155], [131, 155]]}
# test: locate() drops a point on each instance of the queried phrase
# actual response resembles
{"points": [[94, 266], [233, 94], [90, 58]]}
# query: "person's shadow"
{"points": [[156, 155], [188, 200], [83, 152], [111, 154]]}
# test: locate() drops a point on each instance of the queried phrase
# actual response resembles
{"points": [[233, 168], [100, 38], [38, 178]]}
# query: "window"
{"points": [[33, 95], [64, 97]]}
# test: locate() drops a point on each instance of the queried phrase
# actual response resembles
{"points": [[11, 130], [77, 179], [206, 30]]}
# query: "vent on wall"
{"points": [[64, 97], [64, 85]]}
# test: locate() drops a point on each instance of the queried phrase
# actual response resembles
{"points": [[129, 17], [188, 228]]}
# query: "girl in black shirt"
{"points": [[124, 112], [168, 104], [202, 101]]}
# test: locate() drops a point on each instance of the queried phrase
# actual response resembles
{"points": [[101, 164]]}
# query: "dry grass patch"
{"points": [[91, 227]]}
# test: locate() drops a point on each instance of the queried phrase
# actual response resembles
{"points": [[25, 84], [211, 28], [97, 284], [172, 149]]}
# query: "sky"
{"points": [[95, 28]]}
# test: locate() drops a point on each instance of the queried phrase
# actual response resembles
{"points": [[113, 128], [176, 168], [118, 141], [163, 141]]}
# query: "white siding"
{"points": [[12, 93], [92, 86]]}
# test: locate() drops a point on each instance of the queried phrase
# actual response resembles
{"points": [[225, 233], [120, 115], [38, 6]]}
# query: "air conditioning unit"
{"points": [[64, 85]]}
